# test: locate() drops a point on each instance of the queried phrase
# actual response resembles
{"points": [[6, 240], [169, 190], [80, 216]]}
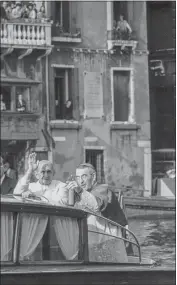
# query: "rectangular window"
{"points": [[63, 100], [121, 95], [15, 98], [96, 158], [62, 14], [6, 101]]}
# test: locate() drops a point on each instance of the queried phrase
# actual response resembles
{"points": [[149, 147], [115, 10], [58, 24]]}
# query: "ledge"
{"points": [[65, 125], [66, 39], [124, 126], [11, 114], [19, 80], [122, 44]]}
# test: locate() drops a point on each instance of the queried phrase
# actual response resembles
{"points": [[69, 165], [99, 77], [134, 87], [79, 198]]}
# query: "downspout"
{"points": [[50, 153]]}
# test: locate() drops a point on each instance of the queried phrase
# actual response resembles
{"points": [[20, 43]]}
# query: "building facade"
{"points": [[86, 90], [105, 78], [25, 45]]}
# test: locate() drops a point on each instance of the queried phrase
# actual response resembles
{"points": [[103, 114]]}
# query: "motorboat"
{"points": [[55, 244]]}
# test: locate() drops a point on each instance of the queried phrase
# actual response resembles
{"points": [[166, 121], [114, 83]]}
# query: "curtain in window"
{"points": [[7, 228], [33, 228], [105, 248], [67, 233]]}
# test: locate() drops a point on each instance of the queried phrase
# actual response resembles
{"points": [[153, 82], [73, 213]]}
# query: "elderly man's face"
{"points": [[85, 178], [45, 174]]}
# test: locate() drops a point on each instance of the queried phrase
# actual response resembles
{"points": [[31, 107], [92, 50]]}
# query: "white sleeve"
{"points": [[22, 185]]}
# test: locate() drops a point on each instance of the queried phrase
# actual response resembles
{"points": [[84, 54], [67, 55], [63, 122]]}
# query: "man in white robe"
{"points": [[52, 190]]}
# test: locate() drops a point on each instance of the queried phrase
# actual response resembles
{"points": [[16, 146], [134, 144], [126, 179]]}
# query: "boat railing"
{"points": [[126, 240]]}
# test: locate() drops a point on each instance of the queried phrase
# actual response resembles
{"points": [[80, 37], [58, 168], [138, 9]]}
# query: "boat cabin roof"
{"points": [[15, 203]]}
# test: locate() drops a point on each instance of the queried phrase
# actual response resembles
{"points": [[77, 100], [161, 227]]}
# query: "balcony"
{"points": [[115, 39], [26, 33]]}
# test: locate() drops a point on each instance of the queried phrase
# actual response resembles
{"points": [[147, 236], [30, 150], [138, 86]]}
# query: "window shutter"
{"points": [[75, 92]]}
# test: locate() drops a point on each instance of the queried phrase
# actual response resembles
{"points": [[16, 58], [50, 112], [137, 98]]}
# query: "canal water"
{"points": [[157, 238]]}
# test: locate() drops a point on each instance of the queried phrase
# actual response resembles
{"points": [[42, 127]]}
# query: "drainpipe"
{"points": [[50, 153]]}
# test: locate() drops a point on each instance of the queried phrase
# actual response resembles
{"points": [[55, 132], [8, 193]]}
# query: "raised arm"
{"points": [[23, 184]]}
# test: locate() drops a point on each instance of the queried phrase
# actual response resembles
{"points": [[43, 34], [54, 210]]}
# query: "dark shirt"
{"points": [[69, 113], [109, 204], [7, 185], [3, 14]]}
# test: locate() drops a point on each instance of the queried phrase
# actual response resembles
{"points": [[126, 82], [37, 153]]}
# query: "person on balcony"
{"points": [[53, 190], [21, 104], [68, 110], [3, 105], [3, 12], [17, 11], [123, 28], [25, 12], [41, 15], [31, 11], [12, 6]]}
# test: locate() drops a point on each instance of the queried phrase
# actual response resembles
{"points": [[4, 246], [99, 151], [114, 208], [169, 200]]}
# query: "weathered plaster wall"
{"points": [[123, 158], [120, 145]]}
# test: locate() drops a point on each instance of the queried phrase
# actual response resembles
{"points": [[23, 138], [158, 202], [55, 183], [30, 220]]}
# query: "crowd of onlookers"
{"points": [[11, 10]]}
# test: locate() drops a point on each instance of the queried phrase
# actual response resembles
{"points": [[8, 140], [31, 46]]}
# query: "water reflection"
{"points": [[157, 239]]}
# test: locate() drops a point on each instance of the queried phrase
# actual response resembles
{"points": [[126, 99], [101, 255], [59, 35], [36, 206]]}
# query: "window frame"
{"points": [[13, 96], [61, 22], [131, 116], [66, 79], [103, 149]]}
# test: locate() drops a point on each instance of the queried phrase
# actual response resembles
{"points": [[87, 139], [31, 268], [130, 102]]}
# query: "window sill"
{"points": [[124, 126], [9, 113], [65, 124], [66, 39]]}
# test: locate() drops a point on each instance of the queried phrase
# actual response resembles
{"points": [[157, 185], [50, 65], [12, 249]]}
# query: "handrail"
{"points": [[122, 227], [26, 23], [106, 234]]}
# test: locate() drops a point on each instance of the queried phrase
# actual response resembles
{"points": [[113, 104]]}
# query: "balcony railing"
{"points": [[115, 38], [26, 33]]}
